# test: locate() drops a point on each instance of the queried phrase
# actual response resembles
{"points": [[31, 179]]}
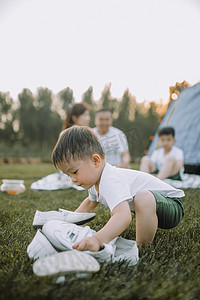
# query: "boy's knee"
{"points": [[144, 200], [145, 159], [170, 160]]}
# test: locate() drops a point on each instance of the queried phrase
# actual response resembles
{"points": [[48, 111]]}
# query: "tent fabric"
{"points": [[183, 115]]}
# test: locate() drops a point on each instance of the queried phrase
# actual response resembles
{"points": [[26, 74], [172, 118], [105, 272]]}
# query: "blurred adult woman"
{"points": [[78, 114]]}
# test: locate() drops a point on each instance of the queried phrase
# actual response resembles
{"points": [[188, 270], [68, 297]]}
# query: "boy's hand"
{"points": [[89, 243]]}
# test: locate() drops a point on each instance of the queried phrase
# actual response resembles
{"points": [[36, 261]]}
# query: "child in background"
{"points": [[167, 161], [79, 154]]}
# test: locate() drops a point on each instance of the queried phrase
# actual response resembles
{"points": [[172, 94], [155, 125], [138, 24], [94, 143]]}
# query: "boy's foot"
{"points": [[64, 235], [40, 247], [64, 263], [41, 217]]}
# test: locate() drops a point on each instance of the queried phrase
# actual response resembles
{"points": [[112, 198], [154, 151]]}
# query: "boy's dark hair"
{"points": [[77, 142], [167, 131]]}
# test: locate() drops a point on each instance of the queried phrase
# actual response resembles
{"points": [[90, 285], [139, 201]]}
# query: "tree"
{"points": [[48, 121], [27, 118], [144, 124], [66, 97], [125, 117], [7, 118], [126, 111], [106, 100], [88, 98]]}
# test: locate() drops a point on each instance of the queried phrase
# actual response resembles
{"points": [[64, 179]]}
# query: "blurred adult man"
{"points": [[113, 140]]}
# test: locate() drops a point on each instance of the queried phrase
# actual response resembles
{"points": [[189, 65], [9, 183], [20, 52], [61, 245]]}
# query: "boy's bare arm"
{"points": [[119, 221], [87, 206]]}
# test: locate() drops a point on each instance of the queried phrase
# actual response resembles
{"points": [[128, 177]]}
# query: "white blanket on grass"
{"points": [[60, 180], [55, 181], [188, 181]]}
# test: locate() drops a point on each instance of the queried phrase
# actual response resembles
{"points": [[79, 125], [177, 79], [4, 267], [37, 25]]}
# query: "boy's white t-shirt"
{"points": [[118, 184], [158, 156], [114, 142]]}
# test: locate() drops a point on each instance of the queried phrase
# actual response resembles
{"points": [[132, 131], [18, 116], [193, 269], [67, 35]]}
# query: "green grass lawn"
{"points": [[168, 269]]}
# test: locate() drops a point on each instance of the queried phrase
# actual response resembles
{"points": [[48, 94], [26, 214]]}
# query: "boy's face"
{"points": [[103, 121], [84, 173], [166, 141]]}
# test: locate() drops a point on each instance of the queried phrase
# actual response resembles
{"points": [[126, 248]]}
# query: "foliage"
{"points": [[48, 122], [32, 125], [106, 100], [175, 89], [169, 269], [137, 124], [27, 114], [66, 97], [89, 99], [7, 118]]}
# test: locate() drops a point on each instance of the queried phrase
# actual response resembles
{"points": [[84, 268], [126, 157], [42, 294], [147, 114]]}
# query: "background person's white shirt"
{"points": [[158, 156], [118, 184], [114, 142]]}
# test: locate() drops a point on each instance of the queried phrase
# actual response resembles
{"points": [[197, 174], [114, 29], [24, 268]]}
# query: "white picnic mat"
{"points": [[188, 181], [60, 180], [55, 181]]}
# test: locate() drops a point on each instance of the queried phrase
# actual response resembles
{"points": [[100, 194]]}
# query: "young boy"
{"points": [[167, 161], [79, 154]]}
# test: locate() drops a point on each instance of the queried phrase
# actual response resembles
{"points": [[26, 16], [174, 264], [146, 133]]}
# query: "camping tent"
{"points": [[184, 115]]}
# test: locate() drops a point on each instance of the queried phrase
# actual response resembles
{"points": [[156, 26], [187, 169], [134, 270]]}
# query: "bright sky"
{"points": [[143, 45]]}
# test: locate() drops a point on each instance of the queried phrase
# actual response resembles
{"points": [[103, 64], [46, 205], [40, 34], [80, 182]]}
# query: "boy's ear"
{"points": [[96, 158]]}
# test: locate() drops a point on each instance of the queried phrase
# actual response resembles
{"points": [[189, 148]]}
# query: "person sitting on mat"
{"points": [[167, 161]]}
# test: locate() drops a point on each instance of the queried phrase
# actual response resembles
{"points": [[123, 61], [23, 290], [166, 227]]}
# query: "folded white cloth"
{"points": [[55, 181], [188, 181]]}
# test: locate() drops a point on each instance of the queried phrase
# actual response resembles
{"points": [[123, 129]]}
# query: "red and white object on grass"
{"points": [[13, 186]]}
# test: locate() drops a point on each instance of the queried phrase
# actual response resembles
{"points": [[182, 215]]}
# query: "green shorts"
{"points": [[169, 211], [176, 176]]}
